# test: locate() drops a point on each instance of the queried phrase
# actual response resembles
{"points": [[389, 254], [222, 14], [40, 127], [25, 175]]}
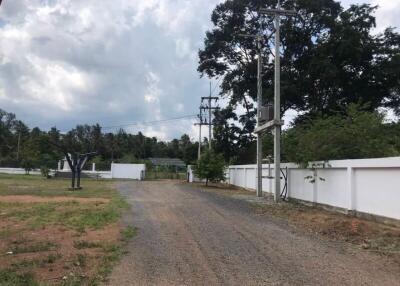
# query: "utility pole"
{"points": [[258, 37], [259, 104], [19, 143], [209, 109], [277, 122], [201, 123], [209, 119]]}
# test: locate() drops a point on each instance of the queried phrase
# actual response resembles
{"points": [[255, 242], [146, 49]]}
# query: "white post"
{"points": [[93, 167], [315, 186], [59, 166], [245, 178]]}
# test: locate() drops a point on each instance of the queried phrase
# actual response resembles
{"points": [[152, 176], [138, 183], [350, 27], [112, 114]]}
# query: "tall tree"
{"points": [[330, 57]]}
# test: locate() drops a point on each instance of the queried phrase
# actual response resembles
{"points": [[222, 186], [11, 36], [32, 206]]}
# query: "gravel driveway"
{"points": [[190, 237]]}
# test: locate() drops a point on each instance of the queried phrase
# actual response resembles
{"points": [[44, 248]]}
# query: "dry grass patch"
{"points": [[51, 236]]}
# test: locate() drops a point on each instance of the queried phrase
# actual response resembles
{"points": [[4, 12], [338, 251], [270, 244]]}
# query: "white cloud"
{"points": [[64, 62], [388, 14]]}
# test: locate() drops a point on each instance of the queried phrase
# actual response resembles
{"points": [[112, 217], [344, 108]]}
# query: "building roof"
{"points": [[167, 162]]}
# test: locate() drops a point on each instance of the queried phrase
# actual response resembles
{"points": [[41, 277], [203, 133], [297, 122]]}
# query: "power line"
{"points": [[216, 85], [150, 122]]}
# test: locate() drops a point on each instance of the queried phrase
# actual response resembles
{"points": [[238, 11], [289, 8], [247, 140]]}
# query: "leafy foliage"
{"points": [[211, 167], [356, 134], [330, 60]]}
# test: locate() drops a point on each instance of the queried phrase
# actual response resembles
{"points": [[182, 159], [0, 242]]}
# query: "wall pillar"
{"points": [[350, 189], [315, 186], [245, 178]]}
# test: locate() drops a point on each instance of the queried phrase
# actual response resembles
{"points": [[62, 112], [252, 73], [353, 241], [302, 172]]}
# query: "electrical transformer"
{"points": [[266, 113]]}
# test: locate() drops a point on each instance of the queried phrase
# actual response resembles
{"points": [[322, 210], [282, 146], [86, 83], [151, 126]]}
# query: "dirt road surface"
{"points": [[190, 237]]}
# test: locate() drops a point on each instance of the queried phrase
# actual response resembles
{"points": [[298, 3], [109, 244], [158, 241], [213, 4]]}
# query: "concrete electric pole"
{"points": [[201, 123], [259, 104], [19, 143], [277, 123], [209, 109]]}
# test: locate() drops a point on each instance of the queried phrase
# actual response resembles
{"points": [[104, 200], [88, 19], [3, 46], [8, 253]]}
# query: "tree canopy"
{"points": [[37, 148], [330, 59], [356, 134]]}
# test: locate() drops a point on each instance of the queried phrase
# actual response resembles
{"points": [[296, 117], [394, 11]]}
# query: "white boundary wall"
{"points": [[18, 171], [369, 185], [118, 171]]}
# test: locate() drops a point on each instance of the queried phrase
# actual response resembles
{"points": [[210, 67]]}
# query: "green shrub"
{"points": [[210, 167]]}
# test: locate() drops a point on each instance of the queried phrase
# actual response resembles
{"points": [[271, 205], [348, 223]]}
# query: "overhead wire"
{"points": [[147, 123]]}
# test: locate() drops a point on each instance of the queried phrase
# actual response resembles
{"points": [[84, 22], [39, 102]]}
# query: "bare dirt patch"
{"points": [[52, 236], [36, 199], [55, 254]]}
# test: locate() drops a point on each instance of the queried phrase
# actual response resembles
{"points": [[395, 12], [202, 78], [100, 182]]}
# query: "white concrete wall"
{"points": [[368, 185], [18, 171], [119, 171], [128, 171]]}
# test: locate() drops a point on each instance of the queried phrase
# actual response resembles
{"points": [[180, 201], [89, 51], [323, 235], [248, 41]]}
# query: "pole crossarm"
{"points": [[277, 12], [269, 125], [209, 108], [209, 97]]}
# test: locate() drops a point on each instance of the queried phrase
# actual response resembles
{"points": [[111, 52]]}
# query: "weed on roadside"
{"points": [[39, 246], [81, 244], [9, 277], [128, 233]]}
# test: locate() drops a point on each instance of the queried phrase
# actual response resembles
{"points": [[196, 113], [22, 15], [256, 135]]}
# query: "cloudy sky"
{"points": [[112, 62]]}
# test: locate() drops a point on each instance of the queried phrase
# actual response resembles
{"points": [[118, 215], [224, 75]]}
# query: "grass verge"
{"points": [[73, 242]]}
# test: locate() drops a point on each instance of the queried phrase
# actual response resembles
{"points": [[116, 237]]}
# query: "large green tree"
{"points": [[356, 134], [330, 59]]}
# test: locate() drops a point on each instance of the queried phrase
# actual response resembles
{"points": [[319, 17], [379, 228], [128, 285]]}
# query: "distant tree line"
{"points": [[34, 148]]}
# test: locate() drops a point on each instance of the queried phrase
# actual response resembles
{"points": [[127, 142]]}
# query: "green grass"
{"points": [[79, 216], [39, 186], [10, 277], [128, 233], [71, 214], [33, 247], [81, 244]]}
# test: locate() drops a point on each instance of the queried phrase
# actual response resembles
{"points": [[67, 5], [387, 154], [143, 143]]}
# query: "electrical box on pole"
{"points": [[266, 113]]}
